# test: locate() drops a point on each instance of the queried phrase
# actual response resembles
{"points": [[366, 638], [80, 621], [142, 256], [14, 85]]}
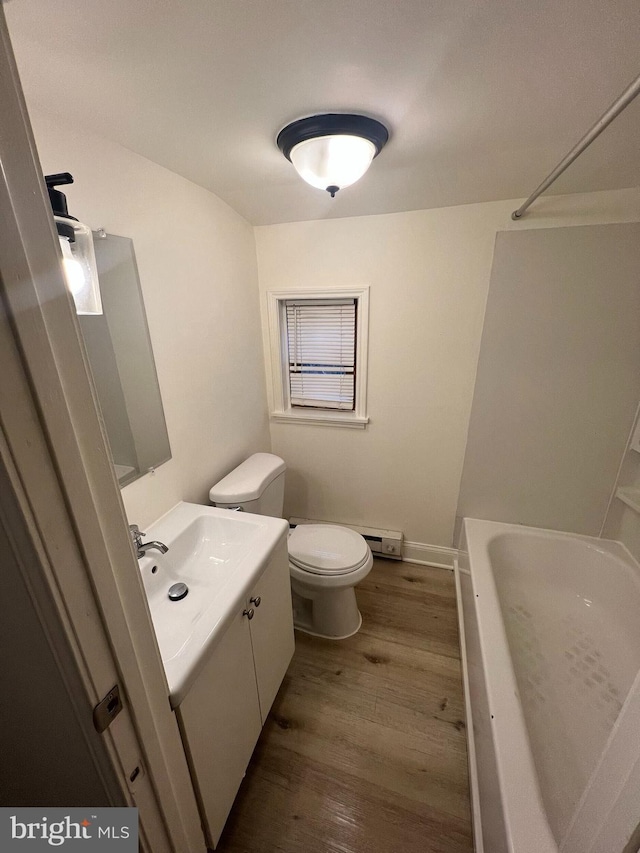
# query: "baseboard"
{"points": [[428, 555], [412, 552]]}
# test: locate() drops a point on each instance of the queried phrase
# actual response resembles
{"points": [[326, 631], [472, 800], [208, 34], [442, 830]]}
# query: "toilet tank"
{"points": [[257, 485]]}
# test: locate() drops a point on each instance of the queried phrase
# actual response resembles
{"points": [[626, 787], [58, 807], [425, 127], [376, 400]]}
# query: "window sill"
{"points": [[321, 418]]}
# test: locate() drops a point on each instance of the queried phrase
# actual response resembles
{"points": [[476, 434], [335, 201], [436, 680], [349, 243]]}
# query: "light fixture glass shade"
{"points": [[332, 162], [79, 264]]}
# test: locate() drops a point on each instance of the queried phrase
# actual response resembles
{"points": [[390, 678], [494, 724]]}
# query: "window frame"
{"points": [[281, 409]]}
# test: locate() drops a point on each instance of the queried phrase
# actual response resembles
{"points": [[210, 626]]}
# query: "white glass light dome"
{"points": [[79, 265], [333, 150], [332, 161]]}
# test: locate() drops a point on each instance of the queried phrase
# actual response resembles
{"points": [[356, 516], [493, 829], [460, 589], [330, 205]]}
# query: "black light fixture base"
{"points": [[332, 124], [332, 190], [58, 202], [57, 198]]}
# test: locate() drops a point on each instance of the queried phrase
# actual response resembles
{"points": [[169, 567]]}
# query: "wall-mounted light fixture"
{"points": [[333, 150], [78, 255]]}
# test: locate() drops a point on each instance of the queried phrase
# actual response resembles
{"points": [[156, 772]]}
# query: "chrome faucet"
{"points": [[142, 547]]}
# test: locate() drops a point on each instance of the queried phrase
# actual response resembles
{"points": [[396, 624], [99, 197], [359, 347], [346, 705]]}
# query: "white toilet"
{"points": [[325, 561]]}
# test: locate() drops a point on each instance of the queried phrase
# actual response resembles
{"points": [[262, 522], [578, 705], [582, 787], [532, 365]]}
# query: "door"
{"points": [[272, 627], [83, 577], [220, 722]]}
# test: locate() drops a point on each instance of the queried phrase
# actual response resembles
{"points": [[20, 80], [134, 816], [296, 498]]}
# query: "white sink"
{"points": [[218, 554]]}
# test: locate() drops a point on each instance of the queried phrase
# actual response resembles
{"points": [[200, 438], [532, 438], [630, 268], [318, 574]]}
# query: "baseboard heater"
{"points": [[383, 543]]}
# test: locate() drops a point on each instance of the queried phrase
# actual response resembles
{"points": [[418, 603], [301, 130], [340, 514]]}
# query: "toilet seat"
{"points": [[327, 549]]}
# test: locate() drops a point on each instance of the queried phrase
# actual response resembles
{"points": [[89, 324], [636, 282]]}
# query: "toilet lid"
{"points": [[326, 549]]}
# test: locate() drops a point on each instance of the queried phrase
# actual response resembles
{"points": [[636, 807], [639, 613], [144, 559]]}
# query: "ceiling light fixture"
{"points": [[78, 255], [333, 150]]}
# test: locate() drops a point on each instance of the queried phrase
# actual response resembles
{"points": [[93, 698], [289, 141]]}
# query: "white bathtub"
{"points": [[550, 634]]}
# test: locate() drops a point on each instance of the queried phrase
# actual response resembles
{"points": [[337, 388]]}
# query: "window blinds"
{"points": [[321, 341]]}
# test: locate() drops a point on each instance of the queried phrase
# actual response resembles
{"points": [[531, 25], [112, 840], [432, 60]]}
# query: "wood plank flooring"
{"points": [[364, 750]]}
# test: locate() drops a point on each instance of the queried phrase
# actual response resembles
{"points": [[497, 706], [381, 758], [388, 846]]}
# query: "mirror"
{"points": [[121, 360]]}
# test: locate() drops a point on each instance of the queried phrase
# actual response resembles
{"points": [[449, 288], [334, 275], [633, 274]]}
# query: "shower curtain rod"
{"points": [[604, 121]]}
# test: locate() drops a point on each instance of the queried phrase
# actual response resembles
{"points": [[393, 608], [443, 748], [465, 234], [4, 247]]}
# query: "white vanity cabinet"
{"points": [[223, 713], [271, 629]]}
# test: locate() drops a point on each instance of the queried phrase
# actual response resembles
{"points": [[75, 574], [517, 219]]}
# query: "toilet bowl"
{"points": [[326, 561]]}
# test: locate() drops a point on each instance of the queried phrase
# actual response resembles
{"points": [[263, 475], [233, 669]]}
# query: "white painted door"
{"points": [[82, 574], [272, 627]]}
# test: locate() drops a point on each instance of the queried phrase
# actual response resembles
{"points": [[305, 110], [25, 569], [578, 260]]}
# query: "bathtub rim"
{"points": [[609, 546], [526, 828]]}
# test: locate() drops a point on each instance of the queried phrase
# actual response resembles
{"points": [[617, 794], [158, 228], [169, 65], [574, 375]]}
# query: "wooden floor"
{"points": [[364, 750]]}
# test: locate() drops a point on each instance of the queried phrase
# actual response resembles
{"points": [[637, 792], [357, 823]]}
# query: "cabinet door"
{"points": [[272, 627], [220, 722]]}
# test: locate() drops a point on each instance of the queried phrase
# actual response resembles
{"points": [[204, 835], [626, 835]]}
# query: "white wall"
{"points": [[197, 265], [429, 275], [558, 377]]}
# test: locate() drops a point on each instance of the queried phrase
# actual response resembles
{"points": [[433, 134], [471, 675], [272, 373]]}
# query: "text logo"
{"points": [[99, 829]]}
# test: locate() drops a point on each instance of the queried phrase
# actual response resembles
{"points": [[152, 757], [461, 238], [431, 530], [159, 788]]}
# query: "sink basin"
{"points": [[218, 554]]}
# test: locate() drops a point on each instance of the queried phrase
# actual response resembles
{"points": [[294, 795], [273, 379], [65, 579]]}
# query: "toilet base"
{"points": [[330, 614], [305, 630]]}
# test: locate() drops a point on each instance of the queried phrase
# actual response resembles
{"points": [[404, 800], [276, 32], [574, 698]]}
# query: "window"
{"points": [[321, 342], [318, 356]]}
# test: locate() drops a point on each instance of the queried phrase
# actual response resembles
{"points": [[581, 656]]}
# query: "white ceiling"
{"points": [[482, 97]]}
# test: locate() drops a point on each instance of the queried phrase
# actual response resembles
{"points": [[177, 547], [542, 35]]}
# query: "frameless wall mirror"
{"points": [[121, 359]]}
